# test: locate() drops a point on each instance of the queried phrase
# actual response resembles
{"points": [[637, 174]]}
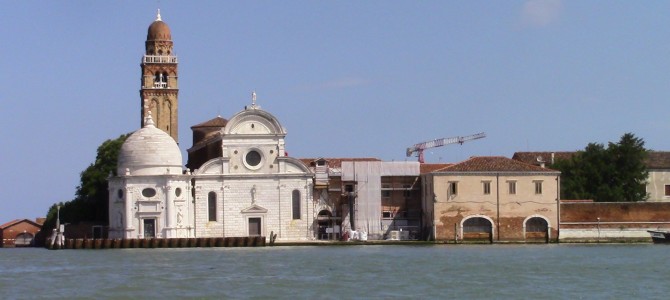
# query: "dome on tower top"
{"points": [[159, 30], [149, 151]]}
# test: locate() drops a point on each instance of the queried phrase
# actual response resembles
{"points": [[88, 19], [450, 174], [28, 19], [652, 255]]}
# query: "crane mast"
{"points": [[420, 147]]}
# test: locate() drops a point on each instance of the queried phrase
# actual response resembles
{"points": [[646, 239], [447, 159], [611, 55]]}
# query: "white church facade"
{"points": [[245, 186]]}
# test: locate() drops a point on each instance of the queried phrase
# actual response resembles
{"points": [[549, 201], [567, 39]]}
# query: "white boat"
{"points": [[660, 236]]}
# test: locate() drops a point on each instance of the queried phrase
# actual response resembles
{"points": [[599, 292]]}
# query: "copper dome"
{"points": [[159, 30]]}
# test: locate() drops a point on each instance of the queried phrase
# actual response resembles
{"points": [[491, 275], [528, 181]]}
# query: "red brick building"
{"points": [[19, 233]]}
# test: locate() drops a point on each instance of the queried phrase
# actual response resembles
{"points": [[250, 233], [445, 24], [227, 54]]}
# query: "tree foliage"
{"points": [[614, 174], [91, 202]]}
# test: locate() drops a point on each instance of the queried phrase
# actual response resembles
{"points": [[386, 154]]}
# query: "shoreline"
{"points": [[99, 244]]}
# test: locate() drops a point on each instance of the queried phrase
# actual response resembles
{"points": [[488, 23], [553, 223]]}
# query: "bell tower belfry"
{"points": [[159, 79]]}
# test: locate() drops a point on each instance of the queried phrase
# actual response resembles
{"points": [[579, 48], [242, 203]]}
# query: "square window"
{"points": [[667, 189], [538, 187], [512, 187], [487, 187], [453, 188]]}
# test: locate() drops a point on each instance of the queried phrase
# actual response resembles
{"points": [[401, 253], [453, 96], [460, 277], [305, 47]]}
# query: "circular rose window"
{"points": [[253, 158]]}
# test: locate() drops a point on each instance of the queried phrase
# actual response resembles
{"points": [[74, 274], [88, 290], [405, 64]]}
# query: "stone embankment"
{"points": [[252, 241]]}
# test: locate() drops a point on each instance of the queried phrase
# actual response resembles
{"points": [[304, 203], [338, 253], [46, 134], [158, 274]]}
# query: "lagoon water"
{"points": [[340, 272]]}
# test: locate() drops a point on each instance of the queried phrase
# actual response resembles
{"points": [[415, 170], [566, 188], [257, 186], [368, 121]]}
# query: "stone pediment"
{"points": [[254, 121], [254, 209]]}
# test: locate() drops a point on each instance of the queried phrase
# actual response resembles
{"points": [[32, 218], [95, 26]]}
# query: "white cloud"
{"points": [[539, 13]]}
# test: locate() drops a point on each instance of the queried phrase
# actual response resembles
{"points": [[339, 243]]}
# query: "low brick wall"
{"points": [[612, 221]]}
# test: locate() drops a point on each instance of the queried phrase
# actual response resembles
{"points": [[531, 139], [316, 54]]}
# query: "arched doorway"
{"points": [[478, 229], [536, 229], [23, 239], [328, 226]]}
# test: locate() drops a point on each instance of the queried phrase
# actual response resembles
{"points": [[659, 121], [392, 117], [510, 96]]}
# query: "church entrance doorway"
{"points": [[149, 228], [254, 226]]}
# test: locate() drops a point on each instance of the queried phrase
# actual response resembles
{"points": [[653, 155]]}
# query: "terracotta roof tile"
{"points": [[216, 122], [658, 160], [17, 221], [532, 157], [655, 159], [494, 164], [429, 168], [10, 223]]}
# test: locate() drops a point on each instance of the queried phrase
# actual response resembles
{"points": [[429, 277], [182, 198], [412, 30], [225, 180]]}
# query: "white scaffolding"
{"points": [[367, 214]]}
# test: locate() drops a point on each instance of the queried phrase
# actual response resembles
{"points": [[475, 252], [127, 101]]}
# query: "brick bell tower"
{"points": [[159, 79]]}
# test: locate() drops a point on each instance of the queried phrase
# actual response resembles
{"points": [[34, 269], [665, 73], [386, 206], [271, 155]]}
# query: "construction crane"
{"points": [[418, 148]]}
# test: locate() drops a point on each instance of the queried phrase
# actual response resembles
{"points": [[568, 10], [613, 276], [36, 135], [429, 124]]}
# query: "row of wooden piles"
{"points": [[247, 241]]}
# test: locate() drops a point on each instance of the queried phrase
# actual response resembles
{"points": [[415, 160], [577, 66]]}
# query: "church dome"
{"points": [[149, 151], [159, 30]]}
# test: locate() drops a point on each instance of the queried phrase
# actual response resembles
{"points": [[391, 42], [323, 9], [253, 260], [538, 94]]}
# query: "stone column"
{"points": [[129, 203], [170, 212]]}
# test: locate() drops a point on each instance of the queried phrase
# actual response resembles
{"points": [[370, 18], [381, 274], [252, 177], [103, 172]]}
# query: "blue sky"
{"points": [[346, 78]]}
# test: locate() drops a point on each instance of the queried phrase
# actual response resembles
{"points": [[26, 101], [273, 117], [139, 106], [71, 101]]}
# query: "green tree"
{"points": [[613, 174], [628, 159], [91, 202]]}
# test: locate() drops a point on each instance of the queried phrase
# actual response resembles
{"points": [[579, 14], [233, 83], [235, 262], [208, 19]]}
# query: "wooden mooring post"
{"points": [[246, 241]]}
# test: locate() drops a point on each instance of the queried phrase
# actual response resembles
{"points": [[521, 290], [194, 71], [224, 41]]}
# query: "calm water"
{"points": [[341, 272]]}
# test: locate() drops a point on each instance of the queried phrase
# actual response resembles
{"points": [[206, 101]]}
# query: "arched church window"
{"points": [[211, 206], [295, 197]]}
